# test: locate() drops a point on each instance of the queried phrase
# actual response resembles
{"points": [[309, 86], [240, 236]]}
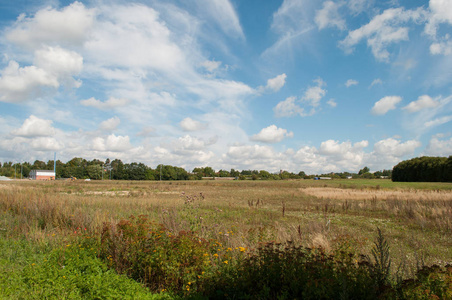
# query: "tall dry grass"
{"points": [[239, 214]]}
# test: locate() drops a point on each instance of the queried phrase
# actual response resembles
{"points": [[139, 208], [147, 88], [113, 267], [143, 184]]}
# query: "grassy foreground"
{"points": [[225, 239]]}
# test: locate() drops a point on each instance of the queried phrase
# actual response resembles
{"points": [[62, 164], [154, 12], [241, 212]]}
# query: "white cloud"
{"points": [[59, 62], [52, 67], [332, 103], [68, 26], [421, 103], [35, 127], [358, 6], [46, 144], [444, 48], [111, 103], [331, 147], [223, 13], [395, 148], [329, 16], [438, 147], [383, 30], [385, 104], [441, 12], [438, 121], [112, 143], [376, 81], [351, 82], [21, 84], [188, 124], [276, 83], [272, 134], [311, 97], [288, 108], [314, 94], [211, 65], [110, 124]]}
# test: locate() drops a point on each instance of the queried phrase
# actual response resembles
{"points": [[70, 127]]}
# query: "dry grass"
{"points": [[416, 223], [370, 194]]}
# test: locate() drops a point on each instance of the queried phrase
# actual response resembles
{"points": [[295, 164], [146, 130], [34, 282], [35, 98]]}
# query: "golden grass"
{"points": [[369, 194]]}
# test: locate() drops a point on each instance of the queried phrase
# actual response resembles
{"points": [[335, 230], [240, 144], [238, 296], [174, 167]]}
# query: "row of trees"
{"points": [[424, 169], [116, 169]]}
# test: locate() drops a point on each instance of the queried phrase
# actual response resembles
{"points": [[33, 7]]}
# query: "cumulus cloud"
{"points": [[438, 146], [46, 144], [20, 84], [351, 82], [276, 83], [310, 98], [314, 94], [329, 16], [52, 67], [188, 124], [111, 143], [441, 12], [395, 148], [442, 47], [35, 127], [110, 124], [272, 134], [332, 103], [385, 104], [111, 103], [68, 26], [383, 30], [288, 108], [421, 103]]}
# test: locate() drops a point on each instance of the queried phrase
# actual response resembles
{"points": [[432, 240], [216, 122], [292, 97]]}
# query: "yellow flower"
{"points": [[226, 262], [216, 255]]}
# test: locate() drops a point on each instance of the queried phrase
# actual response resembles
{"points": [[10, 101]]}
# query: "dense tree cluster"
{"points": [[424, 169], [117, 170]]}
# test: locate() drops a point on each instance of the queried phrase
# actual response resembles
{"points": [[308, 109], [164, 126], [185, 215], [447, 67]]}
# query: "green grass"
{"points": [[31, 271]]}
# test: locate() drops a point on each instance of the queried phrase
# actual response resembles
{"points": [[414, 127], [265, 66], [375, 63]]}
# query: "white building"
{"points": [[42, 175]]}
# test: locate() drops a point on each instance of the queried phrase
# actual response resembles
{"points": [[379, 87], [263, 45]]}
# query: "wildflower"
{"points": [[226, 262], [33, 264], [229, 249], [216, 255]]}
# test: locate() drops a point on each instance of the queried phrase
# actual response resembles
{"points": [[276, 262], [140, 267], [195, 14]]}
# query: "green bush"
{"points": [[70, 272]]}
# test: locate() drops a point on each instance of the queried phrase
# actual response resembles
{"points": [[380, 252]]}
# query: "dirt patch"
{"points": [[108, 193], [368, 194]]}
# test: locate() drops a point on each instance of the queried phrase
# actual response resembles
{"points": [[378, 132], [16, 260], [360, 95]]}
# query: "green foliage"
{"points": [[69, 272], [382, 266], [427, 169]]}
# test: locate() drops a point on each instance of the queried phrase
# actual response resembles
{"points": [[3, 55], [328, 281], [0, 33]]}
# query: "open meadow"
{"points": [[176, 238]]}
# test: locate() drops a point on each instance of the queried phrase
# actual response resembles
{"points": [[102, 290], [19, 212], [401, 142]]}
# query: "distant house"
{"points": [[42, 175]]}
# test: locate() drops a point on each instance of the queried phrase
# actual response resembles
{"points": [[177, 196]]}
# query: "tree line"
{"points": [[117, 170], [425, 168]]}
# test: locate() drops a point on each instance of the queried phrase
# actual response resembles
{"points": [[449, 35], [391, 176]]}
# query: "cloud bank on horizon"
{"points": [[299, 85]]}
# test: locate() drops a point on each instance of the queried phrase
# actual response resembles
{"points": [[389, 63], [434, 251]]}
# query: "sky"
{"points": [[296, 85]]}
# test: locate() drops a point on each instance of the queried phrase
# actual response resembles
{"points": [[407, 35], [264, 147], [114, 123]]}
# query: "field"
{"points": [[44, 224]]}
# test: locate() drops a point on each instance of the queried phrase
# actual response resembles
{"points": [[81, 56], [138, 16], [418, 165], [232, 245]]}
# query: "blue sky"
{"points": [[318, 86]]}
